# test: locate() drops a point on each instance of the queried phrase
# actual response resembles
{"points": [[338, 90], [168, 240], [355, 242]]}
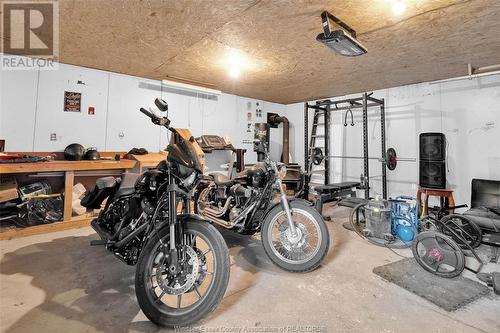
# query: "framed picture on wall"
{"points": [[72, 101]]}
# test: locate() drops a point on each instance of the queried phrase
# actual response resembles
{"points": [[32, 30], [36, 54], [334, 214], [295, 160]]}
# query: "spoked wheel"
{"points": [[438, 254], [462, 230], [182, 294], [303, 251]]}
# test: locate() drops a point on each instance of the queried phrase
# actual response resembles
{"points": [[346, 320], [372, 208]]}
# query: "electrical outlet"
{"points": [[53, 136]]}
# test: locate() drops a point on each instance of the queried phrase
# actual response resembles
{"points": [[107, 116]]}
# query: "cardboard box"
{"points": [[78, 192], [8, 189]]}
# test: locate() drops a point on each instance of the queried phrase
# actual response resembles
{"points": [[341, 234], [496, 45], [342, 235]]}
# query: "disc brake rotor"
{"points": [[202, 260], [184, 280]]}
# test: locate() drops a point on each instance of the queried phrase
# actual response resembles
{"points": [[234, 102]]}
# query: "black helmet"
{"points": [[74, 152], [92, 154]]}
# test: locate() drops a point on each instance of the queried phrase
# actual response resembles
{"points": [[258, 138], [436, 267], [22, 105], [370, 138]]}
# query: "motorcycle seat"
{"points": [[221, 179], [127, 185]]}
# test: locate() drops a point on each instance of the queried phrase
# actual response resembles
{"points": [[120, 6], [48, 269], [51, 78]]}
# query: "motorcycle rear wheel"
{"points": [[290, 255], [171, 310]]}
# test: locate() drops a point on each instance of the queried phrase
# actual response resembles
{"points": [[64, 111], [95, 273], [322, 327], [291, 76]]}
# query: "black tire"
{"points": [[163, 315], [469, 226], [324, 244], [450, 242]]}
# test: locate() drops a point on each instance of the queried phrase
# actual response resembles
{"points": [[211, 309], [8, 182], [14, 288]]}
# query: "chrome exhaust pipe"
{"points": [[228, 224], [217, 220], [219, 212]]}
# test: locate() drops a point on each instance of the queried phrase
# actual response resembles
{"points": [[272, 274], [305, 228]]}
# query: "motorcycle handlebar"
{"points": [[147, 113], [161, 121]]}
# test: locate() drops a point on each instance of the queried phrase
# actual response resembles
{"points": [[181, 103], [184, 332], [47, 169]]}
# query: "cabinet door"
{"points": [[127, 127], [55, 129], [17, 108]]}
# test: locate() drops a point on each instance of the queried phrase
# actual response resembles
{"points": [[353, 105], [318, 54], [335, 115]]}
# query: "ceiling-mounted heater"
{"points": [[343, 40]]}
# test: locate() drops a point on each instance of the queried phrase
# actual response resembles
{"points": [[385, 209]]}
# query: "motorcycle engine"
{"points": [[234, 213], [118, 222]]}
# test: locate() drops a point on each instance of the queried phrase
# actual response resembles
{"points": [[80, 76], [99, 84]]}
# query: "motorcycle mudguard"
{"points": [[183, 218]]}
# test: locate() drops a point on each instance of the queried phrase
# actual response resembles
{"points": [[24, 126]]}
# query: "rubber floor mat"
{"points": [[449, 294]]}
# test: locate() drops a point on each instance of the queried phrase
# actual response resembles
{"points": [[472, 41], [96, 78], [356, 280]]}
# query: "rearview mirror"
{"points": [[161, 104]]}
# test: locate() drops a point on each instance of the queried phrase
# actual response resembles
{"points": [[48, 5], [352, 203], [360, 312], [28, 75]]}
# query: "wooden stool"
{"points": [[445, 198]]}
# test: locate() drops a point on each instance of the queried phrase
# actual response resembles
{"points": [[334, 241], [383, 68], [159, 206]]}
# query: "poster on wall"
{"points": [[72, 101]]}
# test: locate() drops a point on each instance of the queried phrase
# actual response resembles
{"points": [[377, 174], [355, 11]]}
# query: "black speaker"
{"points": [[432, 174], [432, 147]]}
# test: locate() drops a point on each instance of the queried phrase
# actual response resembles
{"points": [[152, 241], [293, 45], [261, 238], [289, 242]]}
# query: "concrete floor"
{"points": [[58, 283]]}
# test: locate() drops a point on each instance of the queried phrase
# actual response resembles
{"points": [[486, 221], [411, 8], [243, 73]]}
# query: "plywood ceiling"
{"points": [[433, 39]]}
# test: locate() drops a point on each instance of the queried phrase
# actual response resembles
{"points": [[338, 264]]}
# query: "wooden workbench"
{"points": [[69, 169]]}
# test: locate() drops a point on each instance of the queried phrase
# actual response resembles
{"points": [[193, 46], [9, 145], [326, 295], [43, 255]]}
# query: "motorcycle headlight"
{"points": [[189, 180], [282, 172]]}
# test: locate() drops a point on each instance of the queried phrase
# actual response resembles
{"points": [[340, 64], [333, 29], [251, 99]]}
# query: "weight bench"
{"points": [[334, 192]]}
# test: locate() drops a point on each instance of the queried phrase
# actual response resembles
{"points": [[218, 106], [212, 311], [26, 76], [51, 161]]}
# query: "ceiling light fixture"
{"points": [[236, 62], [399, 7], [234, 72]]}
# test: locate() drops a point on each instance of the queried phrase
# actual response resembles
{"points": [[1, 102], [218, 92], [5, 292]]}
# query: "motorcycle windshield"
{"points": [[185, 154]]}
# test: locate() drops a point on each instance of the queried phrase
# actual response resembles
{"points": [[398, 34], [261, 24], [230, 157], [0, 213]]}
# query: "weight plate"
{"points": [[391, 159], [317, 157], [438, 254]]}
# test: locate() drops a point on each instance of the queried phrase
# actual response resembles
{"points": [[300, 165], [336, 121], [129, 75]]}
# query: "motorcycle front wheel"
{"points": [[302, 252], [183, 295]]}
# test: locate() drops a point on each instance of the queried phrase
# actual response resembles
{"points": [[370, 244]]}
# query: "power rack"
{"points": [[322, 154]]}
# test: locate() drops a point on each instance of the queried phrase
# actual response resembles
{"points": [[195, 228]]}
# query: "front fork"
{"points": [[175, 228], [286, 208]]}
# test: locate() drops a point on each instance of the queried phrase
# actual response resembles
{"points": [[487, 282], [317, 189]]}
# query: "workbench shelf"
{"points": [[70, 172]]}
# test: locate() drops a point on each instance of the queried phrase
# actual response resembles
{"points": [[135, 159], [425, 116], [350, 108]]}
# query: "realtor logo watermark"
{"points": [[30, 35]]}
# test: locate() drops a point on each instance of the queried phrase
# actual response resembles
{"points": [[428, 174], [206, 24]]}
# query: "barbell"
{"points": [[391, 158]]}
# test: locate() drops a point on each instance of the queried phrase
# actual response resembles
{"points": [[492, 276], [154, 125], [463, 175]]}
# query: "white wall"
{"points": [[461, 110], [31, 105]]}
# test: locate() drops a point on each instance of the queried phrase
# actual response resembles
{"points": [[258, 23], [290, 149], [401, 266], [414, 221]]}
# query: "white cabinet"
{"points": [[17, 108], [127, 126], [70, 127]]}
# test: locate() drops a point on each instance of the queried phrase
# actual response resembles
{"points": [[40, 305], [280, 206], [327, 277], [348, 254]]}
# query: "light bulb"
{"points": [[399, 7], [234, 72]]}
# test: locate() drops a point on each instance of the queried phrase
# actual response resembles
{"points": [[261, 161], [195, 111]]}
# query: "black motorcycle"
{"points": [[293, 233], [182, 261]]}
